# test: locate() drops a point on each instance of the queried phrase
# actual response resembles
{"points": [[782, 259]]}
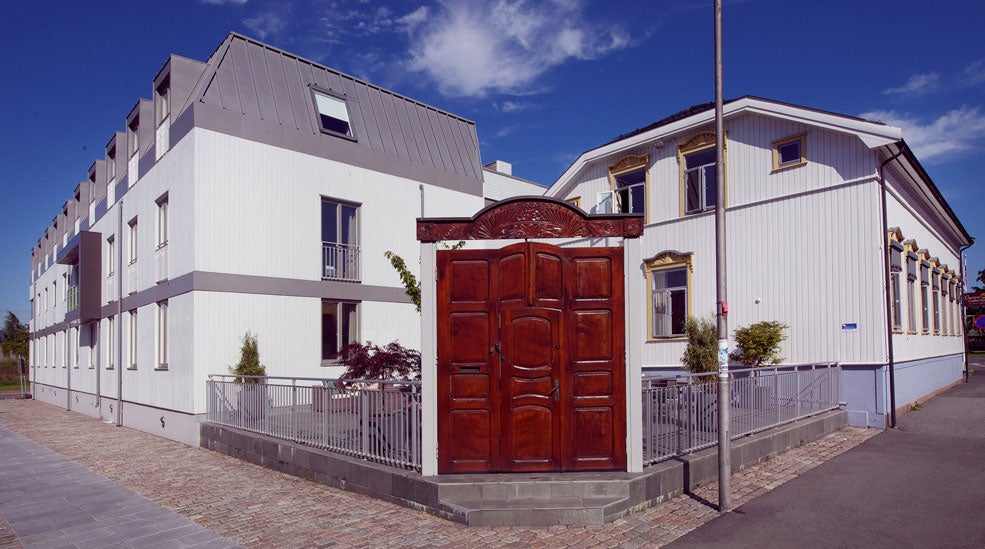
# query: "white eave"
{"points": [[872, 134]]}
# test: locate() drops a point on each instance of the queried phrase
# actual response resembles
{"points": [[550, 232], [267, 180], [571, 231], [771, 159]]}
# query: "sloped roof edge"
{"points": [[872, 134]]}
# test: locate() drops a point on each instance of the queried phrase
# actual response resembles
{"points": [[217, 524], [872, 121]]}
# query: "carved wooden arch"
{"points": [[526, 217]]}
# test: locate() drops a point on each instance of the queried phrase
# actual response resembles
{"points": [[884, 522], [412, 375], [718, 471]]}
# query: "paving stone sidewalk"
{"points": [[258, 507]]}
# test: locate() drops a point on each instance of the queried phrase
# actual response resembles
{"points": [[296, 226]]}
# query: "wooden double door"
{"points": [[531, 373]]}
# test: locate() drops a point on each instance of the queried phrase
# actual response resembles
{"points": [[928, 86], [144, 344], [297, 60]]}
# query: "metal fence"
{"points": [[680, 415], [376, 420], [340, 261]]}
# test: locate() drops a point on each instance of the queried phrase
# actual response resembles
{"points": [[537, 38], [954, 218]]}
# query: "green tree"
{"points": [[15, 336], [701, 353], [412, 286], [759, 343], [249, 360]]}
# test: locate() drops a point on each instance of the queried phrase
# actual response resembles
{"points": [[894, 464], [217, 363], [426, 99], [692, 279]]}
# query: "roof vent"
{"points": [[501, 167]]}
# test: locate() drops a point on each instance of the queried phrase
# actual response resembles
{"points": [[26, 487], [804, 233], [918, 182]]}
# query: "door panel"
{"points": [[468, 375], [513, 325], [530, 366]]}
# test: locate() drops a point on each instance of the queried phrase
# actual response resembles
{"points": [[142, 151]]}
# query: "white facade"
{"points": [[805, 241], [223, 233]]}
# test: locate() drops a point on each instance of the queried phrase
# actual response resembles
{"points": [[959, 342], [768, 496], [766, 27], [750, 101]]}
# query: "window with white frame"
{"points": [[895, 271], [332, 113], [132, 241], [162, 335], [111, 165], [162, 100], [668, 279], [93, 344], [628, 181], [700, 180], [132, 340], [162, 221], [110, 255], [110, 342], [133, 138], [339, 327], [340, 240]]}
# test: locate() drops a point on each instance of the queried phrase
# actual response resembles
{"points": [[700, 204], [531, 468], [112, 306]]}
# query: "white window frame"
{"points": [[132, 241], [162, 221], [132, 340], [335, 106], [110, 255], [665, 262], [341, 339], [162, 335], [801, 141], [110, 342]]}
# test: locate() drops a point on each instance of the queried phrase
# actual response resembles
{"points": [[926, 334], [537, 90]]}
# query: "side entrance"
{"points": [[531, 372]]}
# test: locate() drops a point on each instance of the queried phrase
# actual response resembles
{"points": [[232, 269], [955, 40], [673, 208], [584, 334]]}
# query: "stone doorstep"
{"points": [[516, 499]]}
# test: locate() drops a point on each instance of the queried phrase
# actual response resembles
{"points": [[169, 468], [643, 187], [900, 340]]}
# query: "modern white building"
{"points": [[255, 192], [815, 200]]}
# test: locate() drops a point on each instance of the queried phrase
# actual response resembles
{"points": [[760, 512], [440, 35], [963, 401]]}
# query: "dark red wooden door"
{"points": [[531, 373]]}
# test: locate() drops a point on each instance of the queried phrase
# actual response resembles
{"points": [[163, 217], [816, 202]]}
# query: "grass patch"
{"points": [[916, 406], [13, 386]]}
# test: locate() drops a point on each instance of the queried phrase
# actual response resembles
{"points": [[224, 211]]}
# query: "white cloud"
{"points": [[918, 84], [974, 73], [510, 106], [223, 2], [958, 130], [473, 48], [265, 24]]}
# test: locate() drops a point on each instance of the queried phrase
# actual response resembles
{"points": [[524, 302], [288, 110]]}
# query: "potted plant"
{"points": [[253, 391]]}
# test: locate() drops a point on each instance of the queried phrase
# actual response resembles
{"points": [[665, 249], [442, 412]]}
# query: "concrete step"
{"points": [[534, 488], [537, 511]]}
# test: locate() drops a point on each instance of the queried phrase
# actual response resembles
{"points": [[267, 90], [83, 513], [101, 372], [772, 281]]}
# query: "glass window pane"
{"points": [[349, 229], [789, 153], [692, 200], [333, 114], [636, 198], [349, 324], [329, 330], [678, 310], [711, 184], [700, 158], [329, 221]]}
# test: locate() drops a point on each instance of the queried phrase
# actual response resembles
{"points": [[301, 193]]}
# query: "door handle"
{"points": [[556, 390]]}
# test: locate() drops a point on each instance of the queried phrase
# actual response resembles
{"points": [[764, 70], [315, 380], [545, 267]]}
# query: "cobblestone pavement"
{"points": [[258, 507]]}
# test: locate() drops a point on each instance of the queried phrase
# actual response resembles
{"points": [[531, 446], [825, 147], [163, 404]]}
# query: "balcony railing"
{"points": [[340, 261]]}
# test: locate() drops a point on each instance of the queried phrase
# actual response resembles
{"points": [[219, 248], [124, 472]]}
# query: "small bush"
{"points": [[701, 354], [369, 361], [759, 343], [249, 361]]}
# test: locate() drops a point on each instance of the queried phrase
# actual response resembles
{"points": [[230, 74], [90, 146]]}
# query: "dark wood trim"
{"points": [[525, 217]]}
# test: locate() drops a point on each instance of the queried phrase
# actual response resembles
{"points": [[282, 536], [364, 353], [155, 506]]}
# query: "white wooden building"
{"points": [[814, 199], [255, 192]]}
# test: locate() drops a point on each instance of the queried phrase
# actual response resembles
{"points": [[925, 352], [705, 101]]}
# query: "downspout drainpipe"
{"points": [[964, 335], [94, 360], [889, 304], [119, 315], [68, 369]]}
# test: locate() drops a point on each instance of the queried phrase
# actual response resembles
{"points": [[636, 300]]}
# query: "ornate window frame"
{"points": [[895, 246], [631, 163], [697, 143], [574, 201], [663, 261], [912, 272]]}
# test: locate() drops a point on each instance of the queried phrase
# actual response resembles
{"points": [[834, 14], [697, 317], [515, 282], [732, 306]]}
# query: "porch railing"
{"points": [[680, 415], [372, 419]]}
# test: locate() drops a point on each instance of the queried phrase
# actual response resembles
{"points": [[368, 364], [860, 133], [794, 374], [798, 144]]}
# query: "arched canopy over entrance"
{"points": [[528, 365]]}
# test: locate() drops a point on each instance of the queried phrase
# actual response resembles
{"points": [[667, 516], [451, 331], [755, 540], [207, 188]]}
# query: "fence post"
{"points": [[796, 393], [363, 421]]}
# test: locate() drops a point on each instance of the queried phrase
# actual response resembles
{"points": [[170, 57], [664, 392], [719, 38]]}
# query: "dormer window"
{"points": [[133, 137], [111, 164], [333, 113], [162, 100]]}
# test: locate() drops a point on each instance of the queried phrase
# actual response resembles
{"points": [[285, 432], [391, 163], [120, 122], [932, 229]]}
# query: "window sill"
{"points": [[778, 169], [337, 134], [162, 368], [162, 245], [132, 368], [666, 338]]}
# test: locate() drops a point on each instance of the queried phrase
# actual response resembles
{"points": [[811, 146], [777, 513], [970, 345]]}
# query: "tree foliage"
{"points": [[369, 361], [15, 336], [411, 285], [701, 353], [249, 360], [759, 343]]}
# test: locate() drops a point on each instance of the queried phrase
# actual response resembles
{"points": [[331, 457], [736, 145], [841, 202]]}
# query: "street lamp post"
{"points": [[724, 423]]}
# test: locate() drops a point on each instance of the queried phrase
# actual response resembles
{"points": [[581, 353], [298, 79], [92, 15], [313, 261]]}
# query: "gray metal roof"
{"points": [[265, 83]]}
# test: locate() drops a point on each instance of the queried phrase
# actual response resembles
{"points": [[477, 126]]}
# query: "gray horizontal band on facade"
{"points": [[203, 281]]}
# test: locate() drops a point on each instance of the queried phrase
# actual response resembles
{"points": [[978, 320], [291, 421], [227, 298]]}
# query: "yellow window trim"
{"points": [[700, 142], [629, 163], [662, 262], [802, 137], [574, 201]]}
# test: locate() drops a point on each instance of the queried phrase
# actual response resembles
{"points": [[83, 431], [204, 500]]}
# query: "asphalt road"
{"points": [[920, 485]]}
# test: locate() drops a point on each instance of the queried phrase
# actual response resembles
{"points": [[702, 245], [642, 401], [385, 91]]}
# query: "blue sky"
{"points": [[544, 81]]}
